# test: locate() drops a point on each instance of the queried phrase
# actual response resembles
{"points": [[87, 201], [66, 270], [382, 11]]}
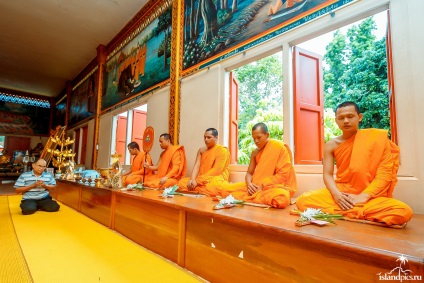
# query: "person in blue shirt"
{"points": [[34, 186]]}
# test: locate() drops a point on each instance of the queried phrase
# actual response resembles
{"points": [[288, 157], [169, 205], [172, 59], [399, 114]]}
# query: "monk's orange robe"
{"points": [[274, 171], [137, 169], [172, 165], [213, 171], [366, 163]]}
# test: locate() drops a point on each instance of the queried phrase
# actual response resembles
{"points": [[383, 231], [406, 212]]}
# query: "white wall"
{"points": [[105, 141], [157, 117], [408, 59], [90, 142], [201, 108]]}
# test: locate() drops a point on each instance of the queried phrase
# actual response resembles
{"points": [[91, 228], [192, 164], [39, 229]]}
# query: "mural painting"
{"points": [[59, 112], [83, 100], [212, 29], [141, 64], [22, 119]]}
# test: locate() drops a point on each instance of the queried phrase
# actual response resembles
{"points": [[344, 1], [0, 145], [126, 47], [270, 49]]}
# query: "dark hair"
{"points": [[213, 131], [133, 145], [166, 136], [261, 126], [349, 103]]}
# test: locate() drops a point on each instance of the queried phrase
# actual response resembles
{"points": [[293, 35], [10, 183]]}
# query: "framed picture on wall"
{"points": [[83, 98], [18, 156], [144, 62], [227, 28]]}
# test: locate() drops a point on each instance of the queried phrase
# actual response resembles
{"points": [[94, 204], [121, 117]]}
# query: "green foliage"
{"points": [[260, 86], [331, 130], [357, 71], [164, 22], [260, 100]]}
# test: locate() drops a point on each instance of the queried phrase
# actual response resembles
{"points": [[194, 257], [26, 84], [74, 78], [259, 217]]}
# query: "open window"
{"points": [[352, 63], [356, 66], [129, 127], [255, 96], [80, 145]]}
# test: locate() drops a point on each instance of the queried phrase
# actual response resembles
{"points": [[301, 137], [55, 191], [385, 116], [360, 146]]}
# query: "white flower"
{"points": [[167, 192], [310, 213], [228, 200]]}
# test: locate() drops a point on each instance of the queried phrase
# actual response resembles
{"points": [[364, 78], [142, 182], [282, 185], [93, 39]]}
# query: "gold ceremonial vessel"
{"points": [[105, 174], [98, 182]]}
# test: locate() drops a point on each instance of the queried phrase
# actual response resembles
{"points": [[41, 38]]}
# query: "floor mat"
{"points": [[13, 267], [66, 246]]}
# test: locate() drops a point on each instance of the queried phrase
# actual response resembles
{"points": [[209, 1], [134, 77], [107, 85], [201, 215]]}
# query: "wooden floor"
{"points": [[250, 244]]}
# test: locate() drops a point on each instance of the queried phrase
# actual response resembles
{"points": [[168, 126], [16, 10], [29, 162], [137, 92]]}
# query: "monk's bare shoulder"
{"points": [[333, 143], [203, 149], [254, 153]]}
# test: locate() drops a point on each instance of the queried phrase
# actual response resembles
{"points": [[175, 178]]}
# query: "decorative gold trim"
{"points": [[85, 78], [176, 68], [191, 71], [101, 58], [60, 100]]}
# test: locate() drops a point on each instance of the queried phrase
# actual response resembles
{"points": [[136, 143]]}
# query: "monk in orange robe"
{"points": [[367, 163], [270, 177], [171, 166], [211, 166], [135, 175]]}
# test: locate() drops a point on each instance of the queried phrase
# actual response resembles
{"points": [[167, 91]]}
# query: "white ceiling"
{"points": [[44, 43]]}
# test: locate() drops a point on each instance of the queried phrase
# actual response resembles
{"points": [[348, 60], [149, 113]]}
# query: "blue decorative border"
{"points": [[24, 100]]}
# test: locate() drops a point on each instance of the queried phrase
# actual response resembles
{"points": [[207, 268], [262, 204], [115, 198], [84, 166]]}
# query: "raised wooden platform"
{"points": [[250, 244]]}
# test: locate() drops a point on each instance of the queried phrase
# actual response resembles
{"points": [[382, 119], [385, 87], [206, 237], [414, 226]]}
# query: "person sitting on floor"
{"points": [[210, 167], [170, 167], [34, 186], [270, 177], [135, 175], [367, 163]]}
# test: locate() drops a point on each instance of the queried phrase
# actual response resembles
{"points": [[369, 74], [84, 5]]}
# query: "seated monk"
{"points": [[211, 166], [135, 175], [170, 167], [270, 177], [367, 163]]}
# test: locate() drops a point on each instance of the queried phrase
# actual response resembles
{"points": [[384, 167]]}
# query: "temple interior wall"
{"points": [[205, 96]]}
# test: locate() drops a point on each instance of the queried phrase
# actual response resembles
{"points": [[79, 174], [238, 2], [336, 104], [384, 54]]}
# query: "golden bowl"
{"points": [[104, 172]]}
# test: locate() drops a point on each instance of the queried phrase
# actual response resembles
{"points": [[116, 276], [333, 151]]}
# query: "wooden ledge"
{"points": [[254, 244], [407, 241]]}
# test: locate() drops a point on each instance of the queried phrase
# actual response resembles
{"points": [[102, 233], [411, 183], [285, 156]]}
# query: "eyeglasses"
{"points": [[41, 166]]}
